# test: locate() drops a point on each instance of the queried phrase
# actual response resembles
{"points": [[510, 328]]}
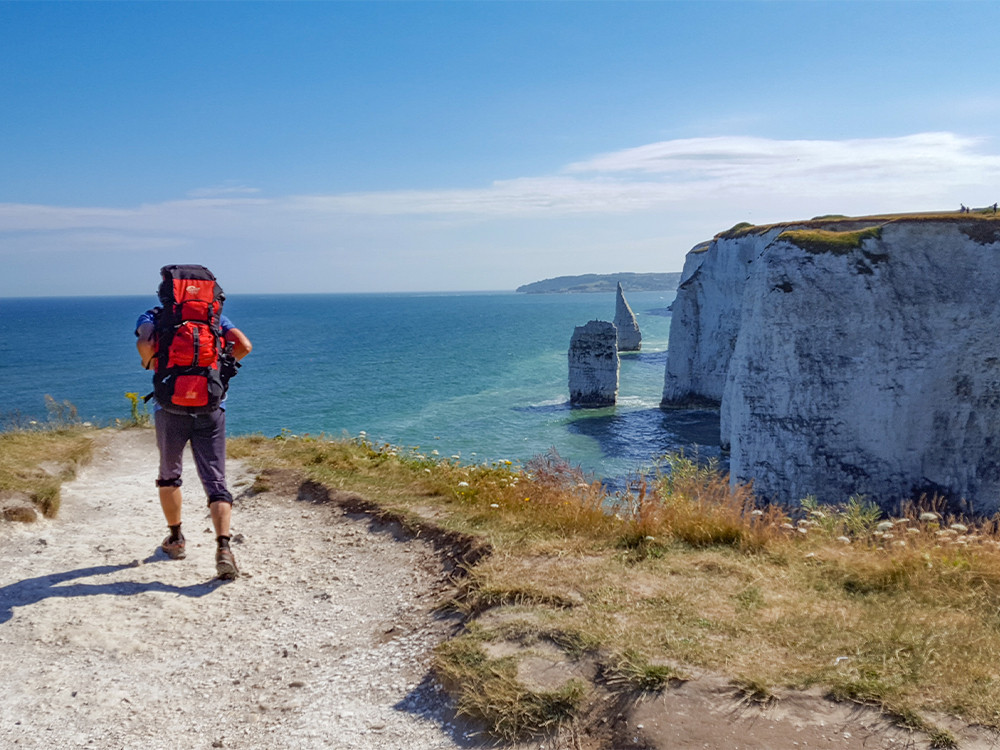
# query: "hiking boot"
{"points": [[225, 564], [174, 549]]}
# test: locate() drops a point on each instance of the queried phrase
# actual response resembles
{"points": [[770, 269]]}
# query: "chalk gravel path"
{"points": [[324, 641]]}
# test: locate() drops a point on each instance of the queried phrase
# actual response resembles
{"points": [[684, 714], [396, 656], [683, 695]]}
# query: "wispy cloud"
{"points": [[920, 162], [640, 208], [225, 189], [667, 175]]}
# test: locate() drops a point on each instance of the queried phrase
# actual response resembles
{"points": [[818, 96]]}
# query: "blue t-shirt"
{"points": [[150, 317]]}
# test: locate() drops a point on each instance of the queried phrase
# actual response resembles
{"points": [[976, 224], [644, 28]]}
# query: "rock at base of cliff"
{"points": [[593, 365]]}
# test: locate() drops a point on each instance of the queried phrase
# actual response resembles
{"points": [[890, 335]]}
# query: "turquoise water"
{"points": [[482, 376]]}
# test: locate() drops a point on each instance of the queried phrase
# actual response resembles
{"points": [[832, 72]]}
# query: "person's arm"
{"points": [[144, 343], [241, 344]]}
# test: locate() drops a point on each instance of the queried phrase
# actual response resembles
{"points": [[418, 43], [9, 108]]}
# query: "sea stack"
{"points": [[629, 337], [849, 357], [593, 365]]}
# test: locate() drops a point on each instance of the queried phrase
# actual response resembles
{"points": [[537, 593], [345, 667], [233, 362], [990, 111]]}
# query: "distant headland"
{"points": [[604, 282]]}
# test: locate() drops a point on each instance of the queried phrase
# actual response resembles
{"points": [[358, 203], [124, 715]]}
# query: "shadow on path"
{"points": [[33, 590]]}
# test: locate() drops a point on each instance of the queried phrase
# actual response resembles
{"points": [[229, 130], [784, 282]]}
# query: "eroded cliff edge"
{"points": [[848, 356]]}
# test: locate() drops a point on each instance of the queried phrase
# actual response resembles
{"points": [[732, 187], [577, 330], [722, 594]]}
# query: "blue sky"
{"points": [[410, 146]]}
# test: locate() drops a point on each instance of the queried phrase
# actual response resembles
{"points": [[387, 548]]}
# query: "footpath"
{"points": [[324, 641]]}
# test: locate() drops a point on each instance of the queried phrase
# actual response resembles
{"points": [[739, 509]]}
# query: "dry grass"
{"points": [[37, 462], [837, 223], [686, 571]]}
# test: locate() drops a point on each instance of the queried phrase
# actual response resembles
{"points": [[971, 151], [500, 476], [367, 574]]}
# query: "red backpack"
{"points": [[190, 351]]}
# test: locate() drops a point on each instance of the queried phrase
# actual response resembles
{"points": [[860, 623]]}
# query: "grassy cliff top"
{"points": [[838, 223]]}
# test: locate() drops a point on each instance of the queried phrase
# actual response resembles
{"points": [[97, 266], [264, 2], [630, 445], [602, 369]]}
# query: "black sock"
{"points": [[223, 542], [175, 533]]}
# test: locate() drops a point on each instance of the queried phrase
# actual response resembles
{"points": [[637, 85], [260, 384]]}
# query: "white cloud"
{"points": [[612, 208], [226, 188], [924, 162]]}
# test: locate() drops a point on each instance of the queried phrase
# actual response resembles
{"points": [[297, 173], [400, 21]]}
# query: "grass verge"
{"points": [[681, 572], [37, 462]]}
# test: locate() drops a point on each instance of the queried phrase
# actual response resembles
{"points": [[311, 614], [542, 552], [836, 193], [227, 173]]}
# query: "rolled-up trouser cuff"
{"points": [[169, 482], [220, 498]]}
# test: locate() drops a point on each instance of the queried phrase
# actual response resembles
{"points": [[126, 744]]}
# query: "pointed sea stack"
{"points": [[593, 365], [629, 337]]}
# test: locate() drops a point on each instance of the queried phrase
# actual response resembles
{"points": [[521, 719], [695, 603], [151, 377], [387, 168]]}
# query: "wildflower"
{"points": [[435, 452], [506, 462], [527, 499], [803, 530], [427, 471], [888, 536], [456, 456], [928, 516], [757, 512], [650, 538], [787, 526], [961, 528], [911, 530], [817, 513], [494, 505], [843, 539], [899, 543], [463, 484], [885, 526]]}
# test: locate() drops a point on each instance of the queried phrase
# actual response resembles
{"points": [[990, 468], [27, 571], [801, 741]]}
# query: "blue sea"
{"points": [[482, 376]]}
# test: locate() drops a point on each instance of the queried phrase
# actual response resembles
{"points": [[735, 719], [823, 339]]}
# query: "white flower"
{"points": [[803, 530], [757, 512], [435, 452], [961, 528], [494, 505], [911, 530], [928, 515], [463, 484], [884, 526], [843, 539]]}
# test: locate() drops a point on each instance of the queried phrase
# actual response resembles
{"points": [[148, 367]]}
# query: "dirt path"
{"points": [[105, 643]]}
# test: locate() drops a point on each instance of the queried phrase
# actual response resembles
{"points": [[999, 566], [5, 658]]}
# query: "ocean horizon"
{"points": [[480, 375]]}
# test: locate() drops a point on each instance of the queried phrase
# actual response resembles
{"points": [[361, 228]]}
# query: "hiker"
{"points": [[193, 350]]}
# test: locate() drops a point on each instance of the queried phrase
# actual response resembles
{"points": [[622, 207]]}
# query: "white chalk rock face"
{"points": [[861, 362], [593, 365], [705, 319], [629, 336]]}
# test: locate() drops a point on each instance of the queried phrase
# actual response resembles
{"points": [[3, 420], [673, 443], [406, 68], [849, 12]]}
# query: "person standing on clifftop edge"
{"points": [[193, 350]]}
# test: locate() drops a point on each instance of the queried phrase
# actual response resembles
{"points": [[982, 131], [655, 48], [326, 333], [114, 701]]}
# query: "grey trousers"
{"points": [[207, 435]]}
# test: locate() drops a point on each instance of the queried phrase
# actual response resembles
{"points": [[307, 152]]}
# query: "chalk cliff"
{"points": [[629, 336], [593, 365], [849, 356]]}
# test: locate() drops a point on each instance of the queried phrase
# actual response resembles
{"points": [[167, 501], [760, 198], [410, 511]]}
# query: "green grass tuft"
{"points": [[818, 241]]}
